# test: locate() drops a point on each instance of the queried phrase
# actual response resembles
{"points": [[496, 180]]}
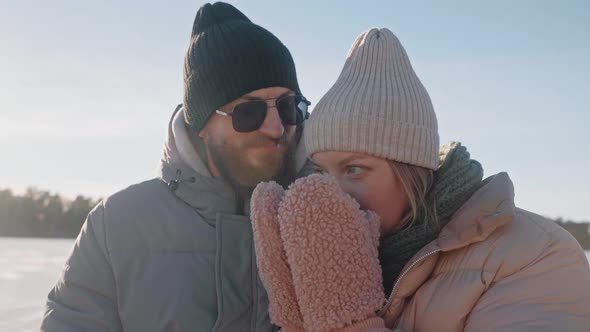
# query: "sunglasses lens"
{"points": [[292, 109], [249, 116]]}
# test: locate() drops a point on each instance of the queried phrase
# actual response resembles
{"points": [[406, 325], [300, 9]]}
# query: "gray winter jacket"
{"points": [[152, 259]]}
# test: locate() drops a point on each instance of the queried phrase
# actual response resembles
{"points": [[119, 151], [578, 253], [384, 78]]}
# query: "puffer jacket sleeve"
{"points": [[550, 293], [84, 298]]}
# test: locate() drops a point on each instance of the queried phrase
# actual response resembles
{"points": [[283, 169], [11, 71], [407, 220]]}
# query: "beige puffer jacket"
{"points": [[494, 267]]}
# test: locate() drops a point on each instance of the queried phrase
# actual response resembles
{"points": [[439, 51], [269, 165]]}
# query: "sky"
{"points": [[87, 87]]}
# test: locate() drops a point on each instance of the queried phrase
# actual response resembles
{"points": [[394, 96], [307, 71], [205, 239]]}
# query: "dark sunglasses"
{"points": [[249, 116]]}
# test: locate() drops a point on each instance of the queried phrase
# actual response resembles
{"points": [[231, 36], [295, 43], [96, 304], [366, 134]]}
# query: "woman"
{"points": [[398, 234]]}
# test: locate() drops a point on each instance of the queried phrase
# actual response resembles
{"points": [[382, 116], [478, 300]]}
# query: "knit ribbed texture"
{"points": [[377, 106], [228, 57], [456, 180]]}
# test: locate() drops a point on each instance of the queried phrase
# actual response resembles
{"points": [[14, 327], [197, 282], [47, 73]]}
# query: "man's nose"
{"points": [[272, 125]]}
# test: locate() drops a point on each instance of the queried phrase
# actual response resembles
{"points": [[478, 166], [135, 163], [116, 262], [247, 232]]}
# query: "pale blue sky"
{"points": [[87, 87]]}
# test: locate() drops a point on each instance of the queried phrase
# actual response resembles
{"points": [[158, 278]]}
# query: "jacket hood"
{"points": [[188, 177]]}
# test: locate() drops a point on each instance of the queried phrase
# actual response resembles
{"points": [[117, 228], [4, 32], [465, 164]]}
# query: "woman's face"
{"points": [[370, 180]]}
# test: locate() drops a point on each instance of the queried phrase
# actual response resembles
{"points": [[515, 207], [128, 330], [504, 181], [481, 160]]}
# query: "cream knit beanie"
{"points": [[378, 106]]}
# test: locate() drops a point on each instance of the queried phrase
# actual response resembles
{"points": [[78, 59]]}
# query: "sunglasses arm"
{"points": [[222, 113]]}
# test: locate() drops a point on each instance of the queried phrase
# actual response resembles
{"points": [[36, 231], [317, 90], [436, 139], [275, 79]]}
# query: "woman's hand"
{"points": [[270, 257], [327, 256]]}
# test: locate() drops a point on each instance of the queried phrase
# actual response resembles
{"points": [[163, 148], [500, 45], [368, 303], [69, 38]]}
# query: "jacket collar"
{"points": [[489, 208]]}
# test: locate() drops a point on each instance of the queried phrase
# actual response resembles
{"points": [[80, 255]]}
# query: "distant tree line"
{"points": [[42, 214]]}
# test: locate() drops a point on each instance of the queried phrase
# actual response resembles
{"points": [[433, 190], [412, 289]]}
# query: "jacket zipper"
{"points": [[388, 303], [255, 289]]}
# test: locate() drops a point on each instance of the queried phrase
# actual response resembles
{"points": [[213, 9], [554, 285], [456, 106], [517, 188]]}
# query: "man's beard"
{"points": [[234, 167]]}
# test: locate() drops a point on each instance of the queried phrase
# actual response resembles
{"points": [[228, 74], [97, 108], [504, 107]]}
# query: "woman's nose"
{"points": [[347, 187]]}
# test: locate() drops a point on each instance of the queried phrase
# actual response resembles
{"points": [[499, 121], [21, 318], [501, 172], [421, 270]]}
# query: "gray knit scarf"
{"points": [[456, 179]]}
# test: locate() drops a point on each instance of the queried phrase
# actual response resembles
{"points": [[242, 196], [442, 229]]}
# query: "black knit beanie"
{"points": [[228, 57]]}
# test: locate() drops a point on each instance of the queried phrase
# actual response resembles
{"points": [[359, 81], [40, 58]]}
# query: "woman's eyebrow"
{"points": [[351, 158], [342, 162]]}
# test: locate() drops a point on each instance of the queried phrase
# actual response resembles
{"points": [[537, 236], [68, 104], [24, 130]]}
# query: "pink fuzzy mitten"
{"points": [[332, 250], [270, 257]]}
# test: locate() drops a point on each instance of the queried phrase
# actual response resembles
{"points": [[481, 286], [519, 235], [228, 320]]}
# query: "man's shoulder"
{"points": [[141, 193], [142, 202], [146, 215]]}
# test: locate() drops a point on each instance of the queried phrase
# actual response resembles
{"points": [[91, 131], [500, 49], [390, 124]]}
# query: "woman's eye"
{"points": [[354, 170]]}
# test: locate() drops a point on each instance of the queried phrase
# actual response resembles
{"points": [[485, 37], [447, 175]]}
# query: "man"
{"points": [[175, 253]]}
